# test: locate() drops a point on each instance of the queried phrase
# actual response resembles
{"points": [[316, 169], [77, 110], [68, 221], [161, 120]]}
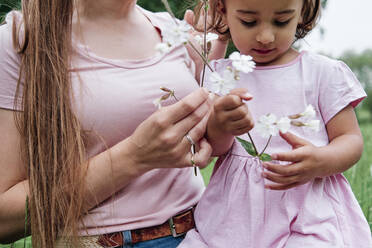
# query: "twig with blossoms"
{"points": [[269, 126], [179, 34]]}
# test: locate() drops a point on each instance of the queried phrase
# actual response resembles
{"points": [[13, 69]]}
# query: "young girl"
{"points": [[301, 199]]}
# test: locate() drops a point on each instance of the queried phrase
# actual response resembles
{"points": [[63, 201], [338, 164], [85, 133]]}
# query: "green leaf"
{"points": [[265, 157], [247, 146]]}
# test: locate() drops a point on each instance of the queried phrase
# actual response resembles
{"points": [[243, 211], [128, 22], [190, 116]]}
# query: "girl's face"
{"points": [[264, 29]]}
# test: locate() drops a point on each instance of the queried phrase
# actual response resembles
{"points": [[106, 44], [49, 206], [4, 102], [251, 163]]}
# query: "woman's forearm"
{"points": [[107, 172], [12, 212]]}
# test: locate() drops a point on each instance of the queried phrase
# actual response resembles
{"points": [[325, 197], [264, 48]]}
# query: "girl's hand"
{"points": [[230, 113], [306, 163], [160, 142]]}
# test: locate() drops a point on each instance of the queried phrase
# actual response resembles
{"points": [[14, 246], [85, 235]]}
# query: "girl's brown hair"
{"points": [[310, 14], [52, 144]]}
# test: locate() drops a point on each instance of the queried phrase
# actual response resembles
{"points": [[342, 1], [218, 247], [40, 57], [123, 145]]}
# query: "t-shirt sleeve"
{"points": [[339, 89], [9, 67]]}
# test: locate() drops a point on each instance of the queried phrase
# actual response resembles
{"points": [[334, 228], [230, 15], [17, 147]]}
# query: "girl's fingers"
{"points": [[281, 186], [283, 170], [242, 93], [294, 140], [186, 106], [241, 126], [291, 156], [276, 178], [228, 102]]}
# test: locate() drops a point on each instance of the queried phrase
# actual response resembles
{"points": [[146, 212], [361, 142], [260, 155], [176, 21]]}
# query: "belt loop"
{"points": [[127, 238]]}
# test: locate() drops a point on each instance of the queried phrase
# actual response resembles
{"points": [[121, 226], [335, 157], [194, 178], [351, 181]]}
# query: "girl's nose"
{"points": [[265, 36]]}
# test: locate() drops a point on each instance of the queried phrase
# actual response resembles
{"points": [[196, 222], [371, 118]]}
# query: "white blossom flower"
{"points": [[309, 112], [284, 124], [243, 63], [163, 48], [222, 85], [177, 34], [313, 125], [209, 37], [266, 126], [157, 102]]}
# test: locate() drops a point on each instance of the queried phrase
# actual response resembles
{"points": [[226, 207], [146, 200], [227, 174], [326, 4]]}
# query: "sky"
{"points": [[347, 25]]}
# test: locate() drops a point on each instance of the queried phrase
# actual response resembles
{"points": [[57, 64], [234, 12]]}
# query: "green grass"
{"points": [[359, 176]]}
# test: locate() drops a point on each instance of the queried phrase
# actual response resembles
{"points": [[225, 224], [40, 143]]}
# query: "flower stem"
{"points": [[201, 56], [205, 40], [169, 10], [267, 144], [251, 139]]}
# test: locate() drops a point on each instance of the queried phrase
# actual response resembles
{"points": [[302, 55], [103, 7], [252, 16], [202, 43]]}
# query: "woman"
{"points": [[79, 133]]}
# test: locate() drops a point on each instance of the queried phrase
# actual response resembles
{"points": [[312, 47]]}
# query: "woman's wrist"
{"points": [[128, 158]]}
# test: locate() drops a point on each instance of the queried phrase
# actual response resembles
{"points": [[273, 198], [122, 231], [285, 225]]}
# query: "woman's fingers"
{"points": [[195, 123], [185, 106], [201, 156]]}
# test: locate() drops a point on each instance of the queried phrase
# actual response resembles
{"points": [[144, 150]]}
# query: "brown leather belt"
{"points": [[175, 226]]}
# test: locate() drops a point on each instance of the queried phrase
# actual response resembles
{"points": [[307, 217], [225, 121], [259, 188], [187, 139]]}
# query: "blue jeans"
{"points": [[165, 242]]}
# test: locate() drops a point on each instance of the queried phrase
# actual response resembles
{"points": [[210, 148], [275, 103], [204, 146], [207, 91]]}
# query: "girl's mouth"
{"points": [[263, 51]]}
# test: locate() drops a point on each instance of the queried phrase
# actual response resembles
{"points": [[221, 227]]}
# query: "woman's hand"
{"points": [[160, 142], [306, 163]]}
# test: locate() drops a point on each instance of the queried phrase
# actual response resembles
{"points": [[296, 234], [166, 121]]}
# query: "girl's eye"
{"points": [[281, 24], [248, 24]]}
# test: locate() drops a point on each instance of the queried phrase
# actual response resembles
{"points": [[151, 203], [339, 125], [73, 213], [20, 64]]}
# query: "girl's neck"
{"points": [[110, 10], [284, 59]]}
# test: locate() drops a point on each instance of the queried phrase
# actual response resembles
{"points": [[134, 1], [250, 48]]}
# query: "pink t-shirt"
{"points": [[112, 97]]}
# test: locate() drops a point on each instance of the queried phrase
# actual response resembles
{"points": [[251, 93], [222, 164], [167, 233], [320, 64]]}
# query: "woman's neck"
{"points": [[113, 10]]}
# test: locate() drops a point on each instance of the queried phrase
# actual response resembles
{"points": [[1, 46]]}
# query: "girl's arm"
{"points": [[308, 162], [158, 142]]}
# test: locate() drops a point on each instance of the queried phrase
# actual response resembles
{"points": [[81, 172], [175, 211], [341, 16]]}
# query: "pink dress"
{"points": [[237, 211]]}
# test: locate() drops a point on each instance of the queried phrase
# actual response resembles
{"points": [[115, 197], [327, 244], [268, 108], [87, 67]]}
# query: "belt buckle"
{"points": [[172, 227]]}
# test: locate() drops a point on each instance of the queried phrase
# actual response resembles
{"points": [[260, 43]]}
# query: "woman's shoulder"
{"points": [[6, 29], [158, 18]]}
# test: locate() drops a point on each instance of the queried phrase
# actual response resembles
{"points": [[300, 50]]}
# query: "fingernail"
{"points": [[247, 95], [211, 95], [205, 90], [274, 156]]}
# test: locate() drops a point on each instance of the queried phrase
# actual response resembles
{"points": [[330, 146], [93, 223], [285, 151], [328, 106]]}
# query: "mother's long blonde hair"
{"points": [[52, 144]]}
